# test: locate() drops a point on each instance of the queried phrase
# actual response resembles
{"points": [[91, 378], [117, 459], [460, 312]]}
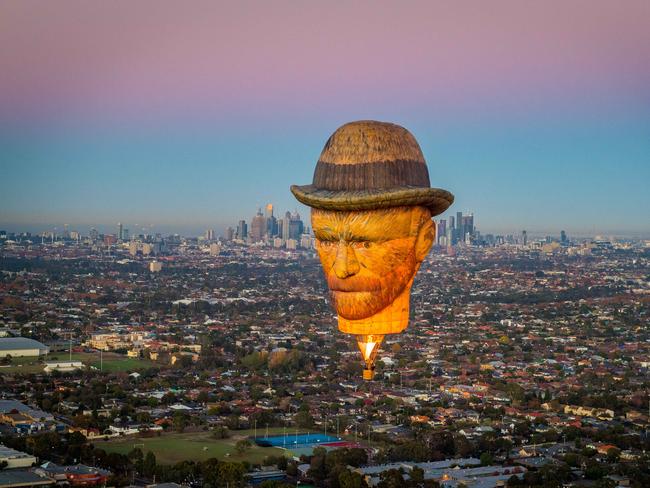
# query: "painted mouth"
{"points": [[348, 291], [353, 285]]}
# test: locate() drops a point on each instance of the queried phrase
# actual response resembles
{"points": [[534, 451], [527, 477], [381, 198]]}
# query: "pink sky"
{"points": [[126, 58]]}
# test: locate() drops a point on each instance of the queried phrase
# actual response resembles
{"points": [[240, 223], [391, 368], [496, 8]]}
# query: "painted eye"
{"points": [[360, 244]]}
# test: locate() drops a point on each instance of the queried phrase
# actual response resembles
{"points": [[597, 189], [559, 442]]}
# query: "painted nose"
{"points": [[346, 263]]}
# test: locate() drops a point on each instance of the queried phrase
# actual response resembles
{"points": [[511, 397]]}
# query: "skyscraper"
{"points": [[441, 230], [451, 230], [119, 231], [258, 226], [563, 238], [460, 229], [524, 237], [468, 224], [296, 226], [286, 222], [242, 230], [271, 221], [230, 233]]}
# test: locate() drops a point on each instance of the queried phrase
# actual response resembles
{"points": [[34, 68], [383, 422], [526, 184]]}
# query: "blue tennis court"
{"points": [[294, 440]]}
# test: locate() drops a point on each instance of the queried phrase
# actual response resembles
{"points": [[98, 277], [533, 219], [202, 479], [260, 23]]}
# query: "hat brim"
{"points": [[435, 199]]}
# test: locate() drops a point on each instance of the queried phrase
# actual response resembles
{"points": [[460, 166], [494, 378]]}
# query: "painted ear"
{"points": [[425, 238]]}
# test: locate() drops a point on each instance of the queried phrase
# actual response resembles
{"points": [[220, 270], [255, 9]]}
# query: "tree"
{"points": [[231, 474], [180, 421], [149, 464], [392, 478], [292, 468], [349, 479], [221, 432], [304, 420], [137, 458], [275, 484], [613, 455], [317, 466], [486, 459], [417, 476], [354, 457], [242, 446], [594, 470]]}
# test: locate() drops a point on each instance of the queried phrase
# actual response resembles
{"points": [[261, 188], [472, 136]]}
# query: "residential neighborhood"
{"points": [[521, 366]]}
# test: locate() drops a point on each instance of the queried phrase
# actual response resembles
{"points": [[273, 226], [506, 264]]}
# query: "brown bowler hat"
{"points": [[368, 165]]}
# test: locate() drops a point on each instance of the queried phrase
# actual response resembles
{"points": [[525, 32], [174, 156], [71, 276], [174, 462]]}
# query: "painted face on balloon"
{"points": [[370, 257]]}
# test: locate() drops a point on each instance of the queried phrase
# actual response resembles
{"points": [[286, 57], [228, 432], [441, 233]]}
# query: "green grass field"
{"points": [[198, 446], [111, 362]]}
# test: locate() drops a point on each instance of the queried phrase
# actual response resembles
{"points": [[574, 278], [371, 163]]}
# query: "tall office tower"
{"points": [[94, 235], [563, 238], [125, 234], [441, 230], [209, 235], [449, 238], [286, 225], [271, 226], [296, 227], [271, 221], [468, 224], [451, 228], [119, 231], [460, 230], [524, 237], [242, 230], [258, 226], [230, 233], [66, 231]]}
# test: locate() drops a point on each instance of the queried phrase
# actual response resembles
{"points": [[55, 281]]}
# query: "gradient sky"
{"points": [[190, 115]]}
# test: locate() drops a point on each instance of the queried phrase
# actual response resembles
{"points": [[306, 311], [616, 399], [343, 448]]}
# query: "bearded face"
{"points": [[370, 257]]}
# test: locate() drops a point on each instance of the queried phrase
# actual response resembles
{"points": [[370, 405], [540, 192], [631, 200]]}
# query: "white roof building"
{"points": [[21, 347]]}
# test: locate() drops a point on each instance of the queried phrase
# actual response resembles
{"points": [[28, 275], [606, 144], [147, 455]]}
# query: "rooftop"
{"points": [[9, 343]]}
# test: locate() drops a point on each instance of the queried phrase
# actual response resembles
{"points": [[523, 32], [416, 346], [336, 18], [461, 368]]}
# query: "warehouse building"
{"points": [[17, 347], [15, 459]]}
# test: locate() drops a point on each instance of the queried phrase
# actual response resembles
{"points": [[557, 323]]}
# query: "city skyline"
{"points": [[535, 116], [445, 222]]}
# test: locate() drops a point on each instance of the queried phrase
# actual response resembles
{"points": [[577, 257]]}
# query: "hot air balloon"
{"points": [[372, 208]]}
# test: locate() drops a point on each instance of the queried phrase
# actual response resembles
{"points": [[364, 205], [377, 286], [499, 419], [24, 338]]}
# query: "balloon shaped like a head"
{"points": [[372, 206]]}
